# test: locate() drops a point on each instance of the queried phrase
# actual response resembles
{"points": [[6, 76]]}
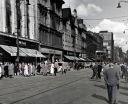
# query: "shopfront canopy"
{"points": [[32, 52], [9, 50], [22, 51], [72, 58]]}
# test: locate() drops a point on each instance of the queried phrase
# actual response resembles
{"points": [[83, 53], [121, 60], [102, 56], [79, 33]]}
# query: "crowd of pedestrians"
{"points": [[9, 70], [112, 72]]}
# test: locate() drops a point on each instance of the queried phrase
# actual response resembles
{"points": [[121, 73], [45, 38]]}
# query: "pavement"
{"points": [[75, 87]]}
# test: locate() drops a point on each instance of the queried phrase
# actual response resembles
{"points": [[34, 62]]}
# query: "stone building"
{"points": [[48, 27], [108, 42]]}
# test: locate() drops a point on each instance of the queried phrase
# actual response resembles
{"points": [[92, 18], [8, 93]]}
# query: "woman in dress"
{"points": [[52, 69], [26, 70]]}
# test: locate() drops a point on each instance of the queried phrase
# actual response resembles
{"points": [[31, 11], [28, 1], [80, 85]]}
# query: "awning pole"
{"points": [[36, 61]]}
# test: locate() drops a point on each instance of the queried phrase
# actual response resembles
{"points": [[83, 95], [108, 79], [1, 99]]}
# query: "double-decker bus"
{"points": [[100, 55]]}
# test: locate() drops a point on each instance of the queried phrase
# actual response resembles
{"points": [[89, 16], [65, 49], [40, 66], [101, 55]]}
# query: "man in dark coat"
{"points": [[94, 68], [111, 77], [11, 70], [6, 70], [99, 70]]}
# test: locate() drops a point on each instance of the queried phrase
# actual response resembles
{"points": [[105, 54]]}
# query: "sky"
{"points": [[102, 15]]}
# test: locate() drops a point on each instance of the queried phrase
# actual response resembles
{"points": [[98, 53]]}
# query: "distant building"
{"points": [[108, 44]]}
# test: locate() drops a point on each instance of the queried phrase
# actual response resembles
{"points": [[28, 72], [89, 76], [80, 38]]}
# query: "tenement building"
{"points": [[35, 30], [17, 33], [49, 26], [108, 44]]}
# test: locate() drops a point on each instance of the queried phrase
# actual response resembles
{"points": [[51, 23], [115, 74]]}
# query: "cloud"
{"points": [[93, 8], [117, 28], [82, 9], [90, 9]]}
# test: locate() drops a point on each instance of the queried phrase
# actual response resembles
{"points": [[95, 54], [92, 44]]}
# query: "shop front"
{"points": [[52, 54], [71, 56], [28, 49]]}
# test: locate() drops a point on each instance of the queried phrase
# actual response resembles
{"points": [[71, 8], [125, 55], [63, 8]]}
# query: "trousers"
{"points": [[112, 94]]}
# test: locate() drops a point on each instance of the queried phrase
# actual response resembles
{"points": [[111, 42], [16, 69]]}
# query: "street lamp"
{"points": [[124, 31], [18, 29], [18, 13], [119, 6]]}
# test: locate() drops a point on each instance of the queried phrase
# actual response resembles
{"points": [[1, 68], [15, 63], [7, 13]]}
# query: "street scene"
{"points": [[75, 87], [63, 52]]}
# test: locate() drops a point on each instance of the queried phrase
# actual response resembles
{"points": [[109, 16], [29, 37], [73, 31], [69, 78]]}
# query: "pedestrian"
{"points": [[99, 70], [6, 70], [94, 68], [11, 70], [56, 67], [52, 69], [38, 68], [16, 69], [124, 71], [22, 68], [42, 68], [64, 66], [0, 71], [26, 74], [111, 77], [33, 69], [30, 69]]}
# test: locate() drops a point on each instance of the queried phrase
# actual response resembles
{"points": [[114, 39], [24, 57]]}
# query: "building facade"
{"points": [[44, 24], [16, 32], [108, 43], [49, 24]]}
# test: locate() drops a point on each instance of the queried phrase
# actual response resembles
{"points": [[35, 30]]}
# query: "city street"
{"points": [[75, 87]]}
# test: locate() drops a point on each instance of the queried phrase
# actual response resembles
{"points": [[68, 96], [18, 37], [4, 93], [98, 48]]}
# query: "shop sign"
{"points": [[22, 43], [45, 50], [1, 54]]}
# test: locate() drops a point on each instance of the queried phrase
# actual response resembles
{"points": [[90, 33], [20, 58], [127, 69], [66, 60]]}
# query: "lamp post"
{"points": [[124, 31], [18, 29], [119, 6], [18, 14]]}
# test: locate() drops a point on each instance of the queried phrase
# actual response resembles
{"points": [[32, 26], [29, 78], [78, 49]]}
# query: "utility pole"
{"points": [[27, 17], [18, 29]]}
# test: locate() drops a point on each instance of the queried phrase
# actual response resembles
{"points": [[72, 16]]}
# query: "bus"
{"points": [[100, 55]]}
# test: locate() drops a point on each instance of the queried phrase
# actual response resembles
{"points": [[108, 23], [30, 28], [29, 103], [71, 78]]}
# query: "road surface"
{"points": [[75, 87]]}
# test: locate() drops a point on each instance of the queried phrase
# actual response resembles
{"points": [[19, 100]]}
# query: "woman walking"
{"points": [[26, 70]]}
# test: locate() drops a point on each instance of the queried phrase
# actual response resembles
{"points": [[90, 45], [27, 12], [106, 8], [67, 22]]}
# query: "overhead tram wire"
{"points": [[98, 19]]}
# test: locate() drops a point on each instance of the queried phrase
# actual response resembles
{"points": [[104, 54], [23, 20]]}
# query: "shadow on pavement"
{"points": [[124, 88], [122, 102], [95, 80], [100, 86], [123, 93], [100, 97], [124, 81]]}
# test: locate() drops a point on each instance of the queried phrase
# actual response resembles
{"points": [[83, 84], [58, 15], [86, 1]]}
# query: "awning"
{"points": [[22, 51], [32, 52], [72, 58], [8, 49], [82, 59]]}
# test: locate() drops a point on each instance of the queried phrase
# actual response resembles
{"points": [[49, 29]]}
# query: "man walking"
{"points": [[111, 77], [99, 70], [94, 68]]}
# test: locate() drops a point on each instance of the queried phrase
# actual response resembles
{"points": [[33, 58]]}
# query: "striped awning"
{"points": [[22, 51]]}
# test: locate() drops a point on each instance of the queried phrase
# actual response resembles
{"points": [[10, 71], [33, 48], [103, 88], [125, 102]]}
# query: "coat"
{"points": [[26, 69], [0, 71], [52, 69], [11, 69], [111, 75]]}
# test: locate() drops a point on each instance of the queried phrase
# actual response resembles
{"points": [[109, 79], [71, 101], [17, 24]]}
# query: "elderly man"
{"points": [[111, 77]]}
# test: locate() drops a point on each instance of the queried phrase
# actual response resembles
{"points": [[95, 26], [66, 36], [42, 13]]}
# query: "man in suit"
{"points": [[111, 77]]}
